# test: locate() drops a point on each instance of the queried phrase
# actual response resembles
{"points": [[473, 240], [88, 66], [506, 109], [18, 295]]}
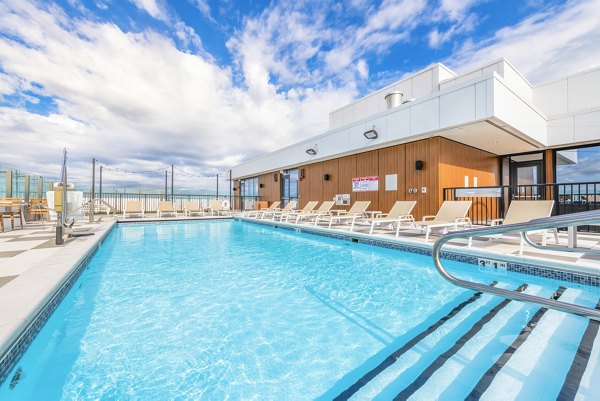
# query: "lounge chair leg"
{"points": [[352, 225], [555, 235], [372, 227], [470, 242], [330, 222], [427, 234]]}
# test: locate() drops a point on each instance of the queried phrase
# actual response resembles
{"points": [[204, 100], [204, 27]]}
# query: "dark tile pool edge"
{"points": [[23, 340], [517, 267]]}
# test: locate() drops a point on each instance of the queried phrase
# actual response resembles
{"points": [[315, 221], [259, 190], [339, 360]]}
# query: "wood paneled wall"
{"points": [[271, 189], [446, 163]]}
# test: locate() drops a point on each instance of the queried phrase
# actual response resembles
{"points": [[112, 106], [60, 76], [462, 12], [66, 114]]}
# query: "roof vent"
{"points": [[393, 99]]}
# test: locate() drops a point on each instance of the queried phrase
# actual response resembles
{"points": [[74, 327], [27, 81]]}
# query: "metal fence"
{"points": [[118, 200], [492, 202]]}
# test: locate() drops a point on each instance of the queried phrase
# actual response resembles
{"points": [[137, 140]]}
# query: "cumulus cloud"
{"points": [[548, 44], [144, 99]]}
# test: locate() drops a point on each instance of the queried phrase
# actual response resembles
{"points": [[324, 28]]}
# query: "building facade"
{"points": [[432, 131]]}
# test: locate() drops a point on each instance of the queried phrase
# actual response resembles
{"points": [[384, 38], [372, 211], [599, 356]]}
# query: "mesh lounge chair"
{"points": [[288, 208], [10, 208], [166, 208], [258, 213], [308, 208], [399, 213], [451, 214], [133, 208], [356, 212], [524, 211], [192, 207], [323, 210]]}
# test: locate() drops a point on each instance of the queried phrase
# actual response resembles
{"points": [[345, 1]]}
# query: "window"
{"points": [[289, 186]]}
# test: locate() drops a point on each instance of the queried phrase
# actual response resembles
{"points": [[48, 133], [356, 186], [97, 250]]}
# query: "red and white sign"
{"points": [[365, 184]]}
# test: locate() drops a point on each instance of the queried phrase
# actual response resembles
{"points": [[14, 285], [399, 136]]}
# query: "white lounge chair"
{"points": [[216, 208], [323, 210], [356, 212], [192, 207], [308, 208], [258, 213], [133, 208], [524, 211], [399, 213], [288, 208], [451, 214], [165, 208]]}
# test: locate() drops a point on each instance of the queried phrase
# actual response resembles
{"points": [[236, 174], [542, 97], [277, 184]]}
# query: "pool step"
{"points": [[583, 379], [491, 350], [451, 375], [418, 353], [537, 370]]}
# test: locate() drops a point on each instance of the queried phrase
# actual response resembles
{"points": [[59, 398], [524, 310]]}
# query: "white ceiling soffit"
{"points": [[489, 137]]}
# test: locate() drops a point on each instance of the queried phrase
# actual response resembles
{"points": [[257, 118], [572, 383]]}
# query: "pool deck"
{"points": [[33, 268]]}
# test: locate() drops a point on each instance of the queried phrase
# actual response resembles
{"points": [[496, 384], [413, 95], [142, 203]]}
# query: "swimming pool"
{"points": [[231, 310]]}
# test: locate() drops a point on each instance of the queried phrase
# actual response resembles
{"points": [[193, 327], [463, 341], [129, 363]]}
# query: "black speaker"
{"points": [[301, 173], [419, 165], [261, 185], [275, 177], [325, 177]]}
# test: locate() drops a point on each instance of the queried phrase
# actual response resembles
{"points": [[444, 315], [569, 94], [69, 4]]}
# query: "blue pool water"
{"points": [[230, 310]]}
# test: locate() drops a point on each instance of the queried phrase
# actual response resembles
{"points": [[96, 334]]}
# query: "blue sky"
{"points": [[204, 85]]}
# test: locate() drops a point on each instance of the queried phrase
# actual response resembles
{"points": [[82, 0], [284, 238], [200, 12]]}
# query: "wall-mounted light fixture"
{"points": [[371, 134], [311, 151], [261, 185], [301, 175], [275, 175]]}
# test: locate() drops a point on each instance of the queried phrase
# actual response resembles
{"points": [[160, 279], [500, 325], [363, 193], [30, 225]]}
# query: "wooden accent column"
{"points": [[549, 164]]}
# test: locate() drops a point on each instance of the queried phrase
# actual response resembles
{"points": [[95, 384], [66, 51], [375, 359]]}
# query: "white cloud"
{"points": [[549, 44], [204, 8], [153, 7], [135, 101]]}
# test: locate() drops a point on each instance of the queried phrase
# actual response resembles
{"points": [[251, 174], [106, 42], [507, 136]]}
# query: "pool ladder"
{"points": [[568, 220]]}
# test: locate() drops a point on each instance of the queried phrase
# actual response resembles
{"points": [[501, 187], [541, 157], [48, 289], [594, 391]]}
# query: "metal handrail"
{"points": [[575, 219]]}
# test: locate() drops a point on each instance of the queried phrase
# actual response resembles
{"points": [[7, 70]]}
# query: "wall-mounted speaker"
{"points": [[275, 177], [261, 185], [325, 177], [234, 189], [419, 165], [301, 173]]}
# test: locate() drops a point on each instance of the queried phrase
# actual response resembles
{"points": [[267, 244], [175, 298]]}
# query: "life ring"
{"points": [[225, 204]]}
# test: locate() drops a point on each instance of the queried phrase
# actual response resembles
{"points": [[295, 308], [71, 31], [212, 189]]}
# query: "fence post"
{"points": [[8, 183]]}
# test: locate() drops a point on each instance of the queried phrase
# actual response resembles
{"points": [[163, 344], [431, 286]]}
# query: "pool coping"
{"points": [[518, 264]]}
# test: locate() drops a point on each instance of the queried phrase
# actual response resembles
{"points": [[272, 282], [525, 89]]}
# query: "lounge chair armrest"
{"points": [[406, 217], [462, 220], [497, 222], [380, 215], [425, 218]]}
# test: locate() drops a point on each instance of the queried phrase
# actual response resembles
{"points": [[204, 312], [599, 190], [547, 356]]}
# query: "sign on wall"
{"points": [[365, 184]]}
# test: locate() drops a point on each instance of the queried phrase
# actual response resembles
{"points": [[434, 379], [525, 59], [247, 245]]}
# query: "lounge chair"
{"points": [[524, 211], [323, 210], [356, 212], [308, 208], [258, 213], [216, 207], [192, 207], [166, 208], [399, 213], [133, 208], [451, 214], [288, 208]]}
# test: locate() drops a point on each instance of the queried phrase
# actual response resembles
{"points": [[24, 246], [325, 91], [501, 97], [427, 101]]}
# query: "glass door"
{"points": [[526, 176]]}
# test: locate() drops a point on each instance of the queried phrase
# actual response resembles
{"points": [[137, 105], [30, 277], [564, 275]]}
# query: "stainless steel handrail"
{"points": [[575, 219]]}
